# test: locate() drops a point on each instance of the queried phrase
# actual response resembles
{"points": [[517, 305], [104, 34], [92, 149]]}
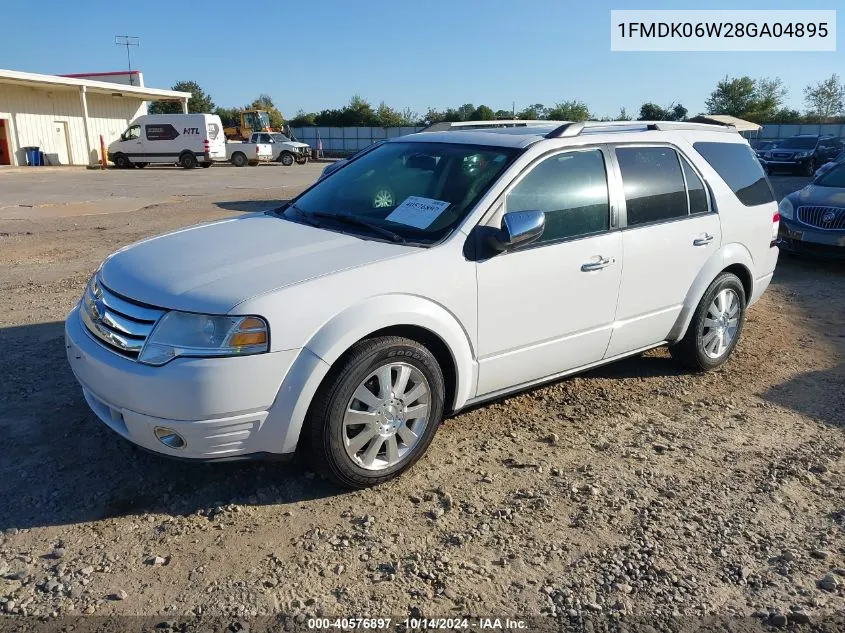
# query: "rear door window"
{"points": [[739, 168], [653, 184]]}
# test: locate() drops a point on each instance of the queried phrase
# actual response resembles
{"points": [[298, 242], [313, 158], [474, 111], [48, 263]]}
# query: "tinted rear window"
{"points": [[740, 169]]}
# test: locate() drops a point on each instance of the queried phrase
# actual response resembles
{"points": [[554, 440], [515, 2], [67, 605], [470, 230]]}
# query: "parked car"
{"points": [[813, 219], [345, 327], [838, 159], [285, 151], [802, 154], [763, 147], [189, 140]]}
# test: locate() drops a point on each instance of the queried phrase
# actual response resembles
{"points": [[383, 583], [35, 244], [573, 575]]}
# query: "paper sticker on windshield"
{"points": [[418, 212]]}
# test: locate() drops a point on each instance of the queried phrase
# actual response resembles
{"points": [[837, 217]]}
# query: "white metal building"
{"points": [[65, 116]]}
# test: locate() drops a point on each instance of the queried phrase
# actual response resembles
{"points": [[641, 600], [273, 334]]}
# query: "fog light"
{"points": [[169, 437]]}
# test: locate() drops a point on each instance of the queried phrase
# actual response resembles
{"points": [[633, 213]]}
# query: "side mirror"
{"points": [[518, 229]]}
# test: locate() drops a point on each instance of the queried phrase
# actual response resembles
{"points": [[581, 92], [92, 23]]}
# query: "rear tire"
{"points": [[188, 161], [239, 159], [403, 393], [286, 159], [715, 328]]}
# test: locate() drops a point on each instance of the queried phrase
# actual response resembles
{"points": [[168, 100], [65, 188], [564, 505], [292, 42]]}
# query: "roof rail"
{"points": [[578, 127], [445, 126]]}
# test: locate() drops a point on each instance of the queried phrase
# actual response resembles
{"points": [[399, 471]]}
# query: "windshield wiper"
{"points": [[348, 218], [308, 218]]}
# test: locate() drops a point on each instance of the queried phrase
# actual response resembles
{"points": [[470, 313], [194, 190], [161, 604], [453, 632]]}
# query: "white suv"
{"points": [[431, 273]]}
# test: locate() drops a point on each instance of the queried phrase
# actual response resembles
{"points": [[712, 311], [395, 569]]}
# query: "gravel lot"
{"points": [[634, 493]]}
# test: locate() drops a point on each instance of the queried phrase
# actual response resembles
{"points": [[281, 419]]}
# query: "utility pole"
{"points": [[127, 41]]}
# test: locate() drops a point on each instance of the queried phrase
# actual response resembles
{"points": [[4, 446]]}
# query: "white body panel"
{"points": [[506, 320], [539, 313], [660, 264], [253, 151]]}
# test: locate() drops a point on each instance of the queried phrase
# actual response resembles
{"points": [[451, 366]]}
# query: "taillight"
{"points": [[775, 226]]}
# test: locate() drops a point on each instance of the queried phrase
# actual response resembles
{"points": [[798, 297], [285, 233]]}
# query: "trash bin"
{"points": [[33, 156]]}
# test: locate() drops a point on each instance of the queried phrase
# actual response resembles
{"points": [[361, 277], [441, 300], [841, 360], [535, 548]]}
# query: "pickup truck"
{"points": [[241, 154], [284, 149]]}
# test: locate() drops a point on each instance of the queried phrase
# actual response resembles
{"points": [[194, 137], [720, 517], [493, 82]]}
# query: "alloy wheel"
{"points": [[721, 323], [386, 416]]}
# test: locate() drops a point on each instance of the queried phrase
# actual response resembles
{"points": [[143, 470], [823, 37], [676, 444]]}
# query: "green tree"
{"points": [[303, 119], [623, 115], [359, 112], [735, 97], [229, 116], [533, 112], [785, 115], [504, 114], [200, 101], [825, 99], [572, 110], [653, 112], [482, 113], [388, 117]]}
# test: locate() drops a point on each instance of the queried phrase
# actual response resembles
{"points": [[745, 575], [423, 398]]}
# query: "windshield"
{"points": [[280, 138], [420, 191], [799, 142], [833, 178]]}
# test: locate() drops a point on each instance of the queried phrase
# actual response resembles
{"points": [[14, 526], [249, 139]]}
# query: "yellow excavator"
{"points": [[251, 121]]}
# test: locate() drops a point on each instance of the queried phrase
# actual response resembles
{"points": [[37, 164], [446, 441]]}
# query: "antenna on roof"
{"points": [[127, 41]]}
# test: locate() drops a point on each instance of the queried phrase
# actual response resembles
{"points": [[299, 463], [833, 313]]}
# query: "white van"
{"points": [[187, 139]]}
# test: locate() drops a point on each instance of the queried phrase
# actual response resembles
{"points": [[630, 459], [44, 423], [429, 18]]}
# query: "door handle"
{"points": [[703, 241], [598, 264]]}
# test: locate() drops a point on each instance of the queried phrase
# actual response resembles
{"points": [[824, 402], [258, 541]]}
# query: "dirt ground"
{"points": [[634, 493]]}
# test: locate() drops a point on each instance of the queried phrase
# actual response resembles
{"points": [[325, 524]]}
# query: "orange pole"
{"points": [[104, 160]]}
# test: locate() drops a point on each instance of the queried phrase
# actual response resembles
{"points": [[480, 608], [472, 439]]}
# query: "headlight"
{"points": [[802, 154], [199, 335], [785, 209]]}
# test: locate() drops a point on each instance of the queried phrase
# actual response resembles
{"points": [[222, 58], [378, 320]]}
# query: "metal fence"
{"points": [[776, 131], [339, 141]]}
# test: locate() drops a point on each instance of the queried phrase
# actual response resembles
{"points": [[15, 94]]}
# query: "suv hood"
{"points": [[212, 268]]}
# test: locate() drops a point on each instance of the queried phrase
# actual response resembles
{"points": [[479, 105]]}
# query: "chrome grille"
{"points": [[825, 218], [120, 324]]}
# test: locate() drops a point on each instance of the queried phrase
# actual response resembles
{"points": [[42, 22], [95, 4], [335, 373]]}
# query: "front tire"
{"points": [[121, 161], [716, 326], [376, 412], [810, 168], [286, 159]]}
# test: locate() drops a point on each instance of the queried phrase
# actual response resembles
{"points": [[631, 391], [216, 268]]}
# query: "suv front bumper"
{"points": [[218, 406]]}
